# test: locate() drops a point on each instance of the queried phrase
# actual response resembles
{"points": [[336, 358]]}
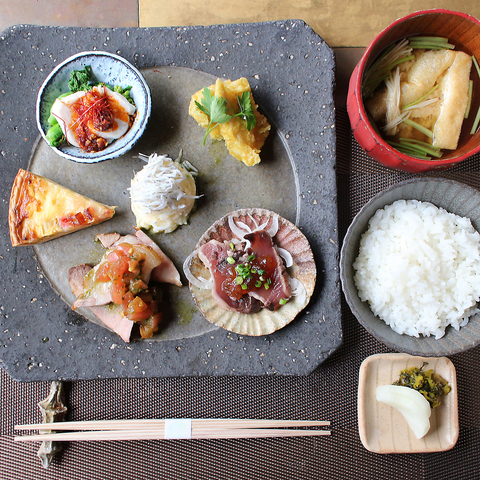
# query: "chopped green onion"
{"points": [[239, 280], [283, 301], [476, 64], [475, 123], [422, 146], [411, 149], [469, 101], [260, 271], [251, 258], [477, 117], [382, 74], [421, 98], [419, 127], [434, 40], [258, 283], [266, 285], [430, 43], [431, 46], [244, 286], [232, 246], [230, 260]]}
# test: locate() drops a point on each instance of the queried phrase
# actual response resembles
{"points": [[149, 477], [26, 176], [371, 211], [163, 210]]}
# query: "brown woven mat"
{"points": [[329, 394]]}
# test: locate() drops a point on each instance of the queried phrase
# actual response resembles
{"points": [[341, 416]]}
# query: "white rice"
{"points": [[419, 268]]}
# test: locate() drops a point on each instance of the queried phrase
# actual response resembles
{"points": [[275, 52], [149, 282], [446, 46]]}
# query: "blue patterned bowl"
{"points": [[108, 68]]}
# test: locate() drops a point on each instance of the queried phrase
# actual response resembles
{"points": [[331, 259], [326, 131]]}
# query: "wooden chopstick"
{"points": [[158, 435], [156, 429], [222, 423]]}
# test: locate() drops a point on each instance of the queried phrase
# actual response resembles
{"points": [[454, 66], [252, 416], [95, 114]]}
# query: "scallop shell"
{"points": [[303, 269]]}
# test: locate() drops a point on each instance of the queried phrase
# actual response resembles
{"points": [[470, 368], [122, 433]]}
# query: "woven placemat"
{"points": [[330, 393]]}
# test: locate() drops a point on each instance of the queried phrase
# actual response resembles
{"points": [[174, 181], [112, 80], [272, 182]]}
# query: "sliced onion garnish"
{"points": [[201, 283], [286, 255], [298, 289], [272, 231], [237, 231]]}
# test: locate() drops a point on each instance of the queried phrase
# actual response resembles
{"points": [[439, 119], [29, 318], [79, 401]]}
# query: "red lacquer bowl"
{"points": [[464, 32]]}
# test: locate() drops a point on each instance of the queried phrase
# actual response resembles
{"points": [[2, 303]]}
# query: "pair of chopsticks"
{"points": [[171, 429]]}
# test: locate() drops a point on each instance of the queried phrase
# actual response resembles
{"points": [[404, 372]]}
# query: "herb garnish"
{"points": [[428, 383], [215, 108], [80, 79]]}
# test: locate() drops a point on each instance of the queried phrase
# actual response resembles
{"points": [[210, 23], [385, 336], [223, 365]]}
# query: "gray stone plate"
{"points": [[292, 78]]}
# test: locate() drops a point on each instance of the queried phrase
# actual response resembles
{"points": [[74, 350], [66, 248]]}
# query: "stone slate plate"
{"points": [[292, 77]]}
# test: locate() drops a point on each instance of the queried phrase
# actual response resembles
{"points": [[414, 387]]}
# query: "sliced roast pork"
{"points": [[98, 295], [110, 315], [166, 272]]}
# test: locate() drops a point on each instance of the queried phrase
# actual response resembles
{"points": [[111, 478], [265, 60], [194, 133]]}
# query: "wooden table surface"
{"points": [[341, 23]]}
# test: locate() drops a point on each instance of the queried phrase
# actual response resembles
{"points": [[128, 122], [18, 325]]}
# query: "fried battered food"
{"points": [[242, 144]]}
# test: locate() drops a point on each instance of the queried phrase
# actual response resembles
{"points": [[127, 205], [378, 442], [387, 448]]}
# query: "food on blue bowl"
{"points": [[121, 290], [163, 193], [418, 93], [91, 115], [228, 112], [418, 267], [252, 272], [42, 210]]}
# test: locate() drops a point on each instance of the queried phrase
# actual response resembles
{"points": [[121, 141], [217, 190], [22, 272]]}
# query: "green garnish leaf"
{"points": [[80, 79], [246, 110], [216, 109]]}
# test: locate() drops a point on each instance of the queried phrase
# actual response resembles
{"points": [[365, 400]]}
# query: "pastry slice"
{"points": [[41, 210]]}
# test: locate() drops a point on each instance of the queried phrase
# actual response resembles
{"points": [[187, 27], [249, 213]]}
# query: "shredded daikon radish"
{"points": [[163, 194], [393, 100]]}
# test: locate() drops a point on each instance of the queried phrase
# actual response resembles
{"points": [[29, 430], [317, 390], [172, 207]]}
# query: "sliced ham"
{"points": [[97, 295], [166, 272], [110, 315]]}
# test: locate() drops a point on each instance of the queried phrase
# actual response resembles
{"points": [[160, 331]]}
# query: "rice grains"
{"points": [[419, 268]]}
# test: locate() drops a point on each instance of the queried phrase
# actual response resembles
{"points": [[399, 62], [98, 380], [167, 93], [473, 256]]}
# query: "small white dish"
{"points": [[382, 428], [108, 68]]}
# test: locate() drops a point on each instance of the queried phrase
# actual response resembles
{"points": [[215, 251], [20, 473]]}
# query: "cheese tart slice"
{"points": [[41, 210]]}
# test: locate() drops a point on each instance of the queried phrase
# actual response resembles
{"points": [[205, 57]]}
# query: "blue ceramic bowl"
{"points": [[108, 68]]}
